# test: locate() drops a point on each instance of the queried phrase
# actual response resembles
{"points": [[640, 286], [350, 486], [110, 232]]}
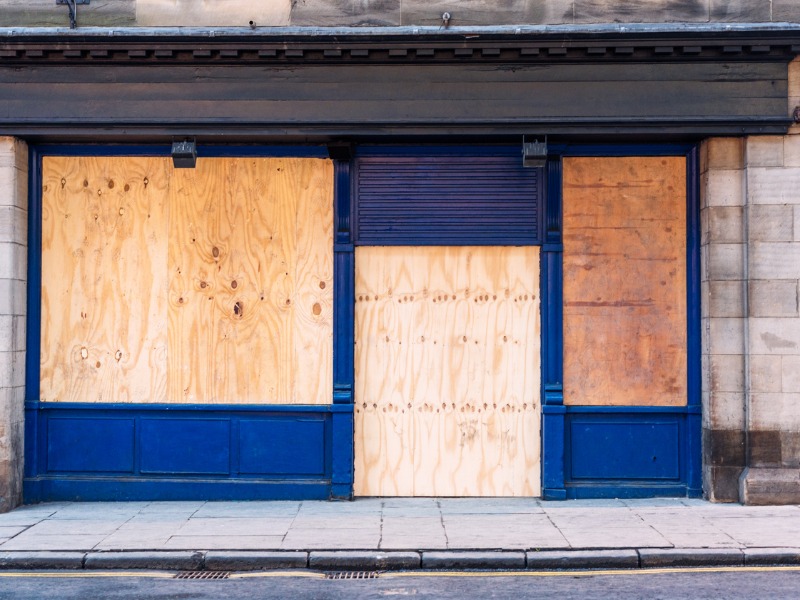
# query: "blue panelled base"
{"points": [[149, 452], [621, 452]]}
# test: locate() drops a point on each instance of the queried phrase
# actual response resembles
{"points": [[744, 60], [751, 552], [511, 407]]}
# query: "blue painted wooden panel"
{"points": [[435, 198], [185, 446], [604, 449], [90, 445], [282, 447], [211, 452]]}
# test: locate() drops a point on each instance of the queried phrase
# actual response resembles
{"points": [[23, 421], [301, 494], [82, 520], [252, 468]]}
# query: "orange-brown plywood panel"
{"points": [[625, 281], [447, 371], [104, 279]]}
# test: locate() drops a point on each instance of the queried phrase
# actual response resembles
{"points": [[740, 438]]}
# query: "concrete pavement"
{"points": [[402, 533]]}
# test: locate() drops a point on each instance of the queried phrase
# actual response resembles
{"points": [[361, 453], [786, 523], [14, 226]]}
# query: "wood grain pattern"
{"points": [[625, 281], [104, 279], [447, 371], [251, 272], [207, 285]]}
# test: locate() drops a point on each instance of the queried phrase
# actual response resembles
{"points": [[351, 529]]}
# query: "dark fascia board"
{"points": [[604, 43]]}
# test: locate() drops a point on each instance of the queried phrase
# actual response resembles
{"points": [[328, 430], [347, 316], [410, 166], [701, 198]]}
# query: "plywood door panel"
{"points": [[204, 285], [104, 279], [251, 282], [625, 281], [447, 371]]}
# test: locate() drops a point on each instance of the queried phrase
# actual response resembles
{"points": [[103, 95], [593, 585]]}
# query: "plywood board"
{"points": [[251, 282], [207, 285], [104, 279], [625, 281], [447, 371]]}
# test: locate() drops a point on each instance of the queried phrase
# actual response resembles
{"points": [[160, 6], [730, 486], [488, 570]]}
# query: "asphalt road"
{"points": [[771, 583]]}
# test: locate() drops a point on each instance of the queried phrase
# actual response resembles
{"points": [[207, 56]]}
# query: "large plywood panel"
{"points": [[207, 285], [251, 273], [625, 281], [104, 279], [447, 371]]}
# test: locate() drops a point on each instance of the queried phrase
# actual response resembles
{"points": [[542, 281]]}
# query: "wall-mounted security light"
{"points": [[534, 154], [184, 154]]}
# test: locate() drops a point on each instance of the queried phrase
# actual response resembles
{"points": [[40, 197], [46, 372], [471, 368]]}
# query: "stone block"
{"points": [[791, 143], [640, 11], [456, 559], [160, 560], [727, 373], [12, 369], [724, 187], [794, 72], [764, 150], [695, 557], [740, 11], [773, 185], [703, 157], [772, 335], [255, 561], [326, 13], [777, 298], [726, 153], [725, 262], [774, 260], [790, 374], [721, 484], [13, 297], [41, 13], [363, 560], [796, 221], [771, 223], [13, 225], [766, 373], [790, 449], [481, 12], [763, 486], [725, 224], [724, 447], [725, 410], [778, 411], [764, 448], [785, 11], [724, 299], [726, 336], [582, 559], [220, 13], [13, 261]]}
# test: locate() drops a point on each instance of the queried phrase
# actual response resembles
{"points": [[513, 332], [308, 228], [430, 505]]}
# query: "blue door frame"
{"points": [[610, 452], [586, 451]]}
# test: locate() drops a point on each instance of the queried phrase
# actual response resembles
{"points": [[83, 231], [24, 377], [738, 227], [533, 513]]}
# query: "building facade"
{"points": [[538, 249]]}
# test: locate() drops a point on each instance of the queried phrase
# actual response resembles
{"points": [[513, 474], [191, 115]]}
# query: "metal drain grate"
{"points": [[352, 575], [203, 575]]}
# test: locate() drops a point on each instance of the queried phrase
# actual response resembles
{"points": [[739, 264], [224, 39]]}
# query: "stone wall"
{"points": [[279, 13], [13, 275]]}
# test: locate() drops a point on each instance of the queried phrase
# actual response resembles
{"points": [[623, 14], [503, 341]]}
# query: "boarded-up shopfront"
{"points": [[361, 288]]}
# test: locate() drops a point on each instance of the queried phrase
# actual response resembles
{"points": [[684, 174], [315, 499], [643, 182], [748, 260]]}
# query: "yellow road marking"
{"points": [[585, 573], [404, 574]]}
